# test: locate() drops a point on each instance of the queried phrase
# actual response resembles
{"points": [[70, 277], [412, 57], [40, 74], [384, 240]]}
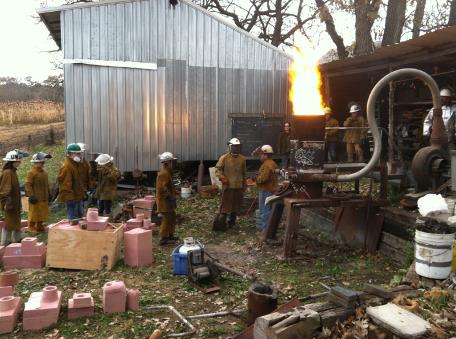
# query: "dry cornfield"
{"points": [[30, 112]]}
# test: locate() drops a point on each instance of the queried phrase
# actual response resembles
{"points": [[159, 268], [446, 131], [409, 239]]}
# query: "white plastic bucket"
{"points": [[433, 254], [186, 192]]}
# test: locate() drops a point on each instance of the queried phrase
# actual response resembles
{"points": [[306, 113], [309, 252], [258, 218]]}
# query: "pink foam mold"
{"points": [[114, 297], [133, 299], [81, 305], [42, 309], [6, 291], [28, 254], [147, 202], [9, 278], [138, 247], [9, 311], [94, 221]]}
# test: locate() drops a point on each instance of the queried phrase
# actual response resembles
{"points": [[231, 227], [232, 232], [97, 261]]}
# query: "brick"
{"points": [[99, 225], [9, 278], [138, 247], [9, 311], [6, 291], [92, 214], [114, 297], [133, 300], [42, 309]]}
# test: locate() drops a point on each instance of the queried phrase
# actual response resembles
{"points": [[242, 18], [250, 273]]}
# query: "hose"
{"points": [[411, 72]]}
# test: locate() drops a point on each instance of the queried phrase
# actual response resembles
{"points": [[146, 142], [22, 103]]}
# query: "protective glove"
{"points": [[32, 200], [9, 204], [223, 179]]}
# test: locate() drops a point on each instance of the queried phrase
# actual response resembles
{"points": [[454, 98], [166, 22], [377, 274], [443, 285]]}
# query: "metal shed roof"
{"points": [[435, 44], [51, 18]]}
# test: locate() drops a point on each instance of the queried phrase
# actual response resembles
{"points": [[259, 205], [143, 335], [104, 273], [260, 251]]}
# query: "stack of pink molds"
{"points": [[144, 205], [9, 311], [94, 221], [42, 309], [114, 297], [139, 222], [28, 254], [81, 305], [132, 299], [138, 247]]}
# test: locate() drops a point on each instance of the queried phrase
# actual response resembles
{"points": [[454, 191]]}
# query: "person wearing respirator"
{"points": [[71, 191]]}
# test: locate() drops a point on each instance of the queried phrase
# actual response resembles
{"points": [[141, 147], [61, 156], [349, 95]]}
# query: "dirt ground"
{"points": [[329, 264]]}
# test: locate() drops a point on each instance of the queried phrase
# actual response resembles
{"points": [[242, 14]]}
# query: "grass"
{"points": [[30, 112], [332, 265]]}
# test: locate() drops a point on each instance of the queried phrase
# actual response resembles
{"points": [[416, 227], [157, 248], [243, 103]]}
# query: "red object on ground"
{"points": [[133, 299], [28, 254], [9, 311], [81, 305], [138, 247], [42, 309], [6, 291], [114, 297]]}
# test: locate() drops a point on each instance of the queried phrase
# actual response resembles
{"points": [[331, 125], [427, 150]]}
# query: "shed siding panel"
{"points": [[206, 70]]}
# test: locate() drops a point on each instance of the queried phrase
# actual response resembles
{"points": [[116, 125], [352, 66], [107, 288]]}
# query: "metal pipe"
{"points": [[411, 72], [235, 312], [192, 329]]}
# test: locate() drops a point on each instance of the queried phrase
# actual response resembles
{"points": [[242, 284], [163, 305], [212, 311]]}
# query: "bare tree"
{"points": [[366, 11], [394, 21], [274, 21], [418, 18], [452, 18], [326, 17]]}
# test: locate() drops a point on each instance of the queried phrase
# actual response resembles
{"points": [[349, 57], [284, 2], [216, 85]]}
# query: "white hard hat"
{"points": [[166, 156], [84, 147], [234, 141], [40, 157], [13, 156], [103, 159], [267, 149], [354, 108], [446, 92]]}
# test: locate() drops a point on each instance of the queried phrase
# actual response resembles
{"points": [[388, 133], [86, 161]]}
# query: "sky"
{"points": [[25, 42]]}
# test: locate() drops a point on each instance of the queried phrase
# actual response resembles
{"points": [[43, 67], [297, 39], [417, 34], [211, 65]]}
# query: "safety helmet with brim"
{"points": [[354, 109], [73, 148], [103, 159], [13, 156], [267, 149], [40, 157], [446, 92], [166, 156]]}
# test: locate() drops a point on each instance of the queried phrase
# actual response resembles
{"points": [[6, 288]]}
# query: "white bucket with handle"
{"points": [[433, 254]]}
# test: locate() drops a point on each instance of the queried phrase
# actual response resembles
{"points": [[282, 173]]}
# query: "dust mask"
{"points": [[77, 159]]}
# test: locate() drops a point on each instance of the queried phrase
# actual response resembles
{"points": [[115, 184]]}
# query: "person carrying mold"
{"points": [[166, 199], [231, 171], [71, 191], [108, 177], [37, 190], [10, 198]]}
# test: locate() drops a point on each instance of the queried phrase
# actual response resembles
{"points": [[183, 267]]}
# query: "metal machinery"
{"points": [[307, 170]]}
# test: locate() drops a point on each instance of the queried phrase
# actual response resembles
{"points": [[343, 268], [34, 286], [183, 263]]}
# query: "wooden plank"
{"points": [[84, 250], [291, 234]]}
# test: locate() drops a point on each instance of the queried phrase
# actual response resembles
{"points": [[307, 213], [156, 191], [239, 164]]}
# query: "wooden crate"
{"points": [[74, 248]]}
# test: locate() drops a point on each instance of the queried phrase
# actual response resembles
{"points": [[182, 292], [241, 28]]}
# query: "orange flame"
{"points": [[305, 80]]}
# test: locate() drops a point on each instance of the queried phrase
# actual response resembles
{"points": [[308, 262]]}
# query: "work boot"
{"points": [[173, 238], [232, 221], [164, 242], [219, 223]]}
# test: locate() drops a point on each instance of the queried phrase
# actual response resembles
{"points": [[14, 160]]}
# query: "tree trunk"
{"points": [[452, 18], [394, 22], [365, 12], [327, 18], [418, 18], [276, 39]]}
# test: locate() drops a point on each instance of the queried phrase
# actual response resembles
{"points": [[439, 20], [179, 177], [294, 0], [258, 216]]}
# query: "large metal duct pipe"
{"points": [[438, 137]]}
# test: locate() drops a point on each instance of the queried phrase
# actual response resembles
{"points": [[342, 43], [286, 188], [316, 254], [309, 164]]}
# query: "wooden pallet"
{"points": [[82, 249]]}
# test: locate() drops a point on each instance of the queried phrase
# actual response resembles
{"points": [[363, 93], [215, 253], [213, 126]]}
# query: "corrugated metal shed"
{"points": [[188, 69]]}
